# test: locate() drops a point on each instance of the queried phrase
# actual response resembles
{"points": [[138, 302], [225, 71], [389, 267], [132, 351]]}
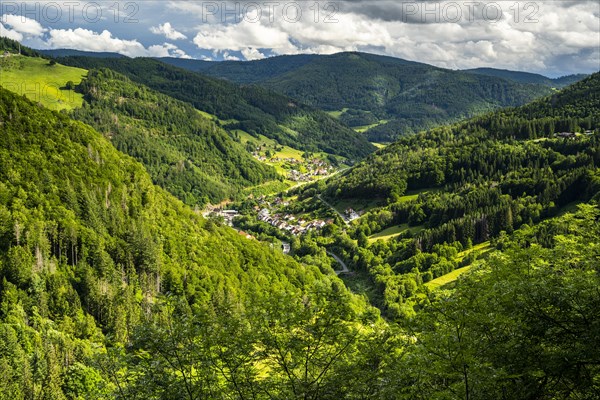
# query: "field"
{"points": [[364, 128], [267, 188], [446, 279], [379, 145], [394, 231], [41, 82], [336, 114], [414, 194], [286, 152], [452, 276]]}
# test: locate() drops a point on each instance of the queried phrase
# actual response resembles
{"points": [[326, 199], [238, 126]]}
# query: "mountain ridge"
{"points": [[383, 95]]}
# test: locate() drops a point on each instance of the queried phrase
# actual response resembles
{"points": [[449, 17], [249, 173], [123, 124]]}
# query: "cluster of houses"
{"points": [[227, 215], [297, 176], [273, 160], [287, 222], [315, 167]]}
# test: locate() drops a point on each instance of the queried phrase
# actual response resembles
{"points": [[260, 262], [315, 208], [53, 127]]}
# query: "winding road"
{"points": [[344, 269], [343, 217]]}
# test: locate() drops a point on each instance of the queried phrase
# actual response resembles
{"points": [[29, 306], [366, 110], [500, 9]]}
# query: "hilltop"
{"points": [[528, 77]]}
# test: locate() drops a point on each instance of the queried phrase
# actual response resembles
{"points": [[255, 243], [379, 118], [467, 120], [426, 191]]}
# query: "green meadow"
{"points": [[41, 82]]}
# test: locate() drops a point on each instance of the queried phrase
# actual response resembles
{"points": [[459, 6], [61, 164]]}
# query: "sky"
{"points": [[554, 38]]}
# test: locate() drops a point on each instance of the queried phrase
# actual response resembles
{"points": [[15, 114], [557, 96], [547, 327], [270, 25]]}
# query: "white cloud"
{"points": [[230, 57], [252, 54], [564, 30], [242, 36], [23, 25], [168, 31], [87, 40], [166, 50], [9, 33]]}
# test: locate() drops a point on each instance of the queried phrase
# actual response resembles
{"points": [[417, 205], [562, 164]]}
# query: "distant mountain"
{"points": [[253, 109], [528, 77], [244, 72], [80, 53], [386, 96]]}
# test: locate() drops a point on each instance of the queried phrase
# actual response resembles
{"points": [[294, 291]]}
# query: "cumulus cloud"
{"points": [[9, 33], [168, 31], [244, 35], [22, 25], [537, 39], [230, 57], [252, 54], [85, 39]]}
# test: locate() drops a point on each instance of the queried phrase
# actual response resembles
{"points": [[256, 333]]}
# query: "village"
{"points": [[297, 170], [269, 211], [289, 223]]}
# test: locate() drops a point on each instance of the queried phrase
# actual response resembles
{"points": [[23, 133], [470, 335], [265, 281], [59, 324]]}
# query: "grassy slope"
{"points": [[452, 276], [394, 231], [41, 82]]}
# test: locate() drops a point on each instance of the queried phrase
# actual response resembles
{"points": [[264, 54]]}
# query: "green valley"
{"points": [[101, 268], [227, 230], [421, 208]]}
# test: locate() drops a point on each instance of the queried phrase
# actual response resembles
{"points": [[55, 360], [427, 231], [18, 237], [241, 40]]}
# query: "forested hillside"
{"points": [[184, 152], [14, 47], [98, 265], [390, 96], [454, 187], [522, 325], [250, 108]]}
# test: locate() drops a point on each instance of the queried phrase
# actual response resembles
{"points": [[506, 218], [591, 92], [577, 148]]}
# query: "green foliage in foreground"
{"points": [[524, 325], [184, 152], [89, 248]]}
